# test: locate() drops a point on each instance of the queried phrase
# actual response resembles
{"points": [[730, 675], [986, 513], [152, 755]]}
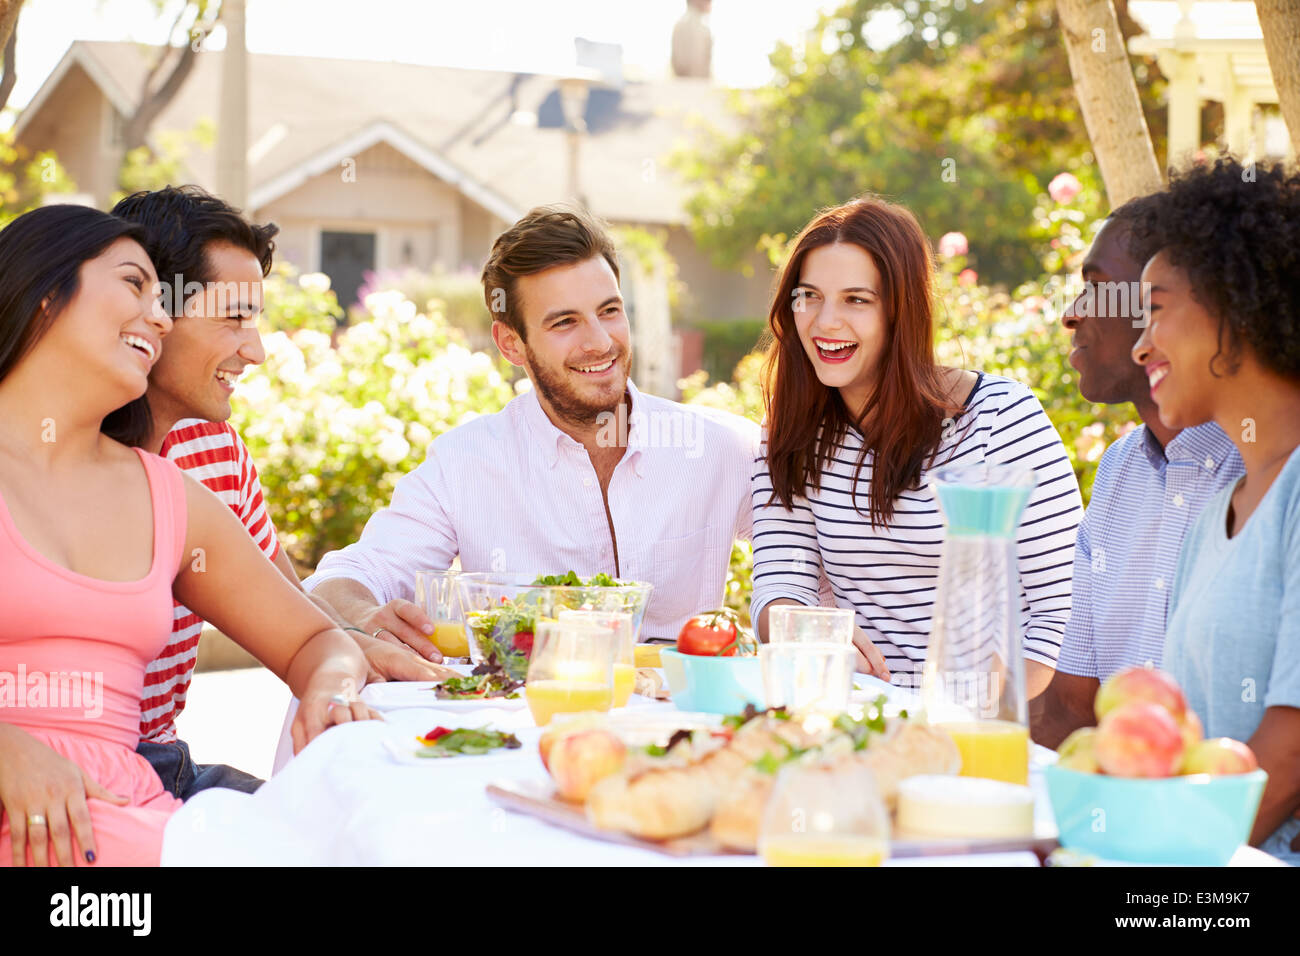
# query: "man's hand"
{"points": [[406, 624], [1063, 708], [391, 660]]}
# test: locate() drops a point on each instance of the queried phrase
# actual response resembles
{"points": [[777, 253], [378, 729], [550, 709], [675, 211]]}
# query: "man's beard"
{"points": [[563, 399]]}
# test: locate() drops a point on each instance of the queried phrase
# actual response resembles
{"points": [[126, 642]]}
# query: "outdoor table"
{"points": [[347, 801]]}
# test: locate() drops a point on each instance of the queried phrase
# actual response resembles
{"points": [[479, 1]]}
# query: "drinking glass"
{"points": [[818, 625], [808, 678], [625, 651], [435, 592], [824, 814], [571, 669]]}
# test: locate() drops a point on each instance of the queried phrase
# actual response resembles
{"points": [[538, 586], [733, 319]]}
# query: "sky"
{"points": [[527, 35]]}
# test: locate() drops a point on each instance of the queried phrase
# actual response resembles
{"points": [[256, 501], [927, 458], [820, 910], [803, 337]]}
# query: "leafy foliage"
{"points": [[146, 168], [963, 119], [26, 179], [332, 429]]}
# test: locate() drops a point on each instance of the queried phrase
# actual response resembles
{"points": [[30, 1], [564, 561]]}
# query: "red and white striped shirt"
{"points": [[210, 452]]}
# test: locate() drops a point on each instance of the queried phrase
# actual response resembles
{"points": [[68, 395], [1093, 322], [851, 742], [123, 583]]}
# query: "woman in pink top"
{"points": [[95, 537]]}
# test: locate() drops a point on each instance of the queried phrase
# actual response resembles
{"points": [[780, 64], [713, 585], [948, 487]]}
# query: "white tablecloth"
{"points": [[345, 800]]}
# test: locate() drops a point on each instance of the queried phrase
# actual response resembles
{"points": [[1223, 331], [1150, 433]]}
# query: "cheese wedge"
{"points": [[647, 655], [956, 807]]}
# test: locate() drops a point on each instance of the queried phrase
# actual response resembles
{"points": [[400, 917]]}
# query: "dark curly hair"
{"points": [[1234, 231], [180, 222]]}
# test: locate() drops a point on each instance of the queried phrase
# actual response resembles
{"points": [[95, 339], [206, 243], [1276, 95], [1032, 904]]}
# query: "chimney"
{"points": [[693, 41]]}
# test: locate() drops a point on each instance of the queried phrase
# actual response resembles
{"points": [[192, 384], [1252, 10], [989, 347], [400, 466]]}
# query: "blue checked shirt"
{"points": [[1143, 502]]}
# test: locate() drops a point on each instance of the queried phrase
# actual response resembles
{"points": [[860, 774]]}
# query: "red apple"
{"points": [[564, 724], [578, 761], [1141, 683], [1078, 751], [1222, 755], [1192, 731], [1139, 739]]}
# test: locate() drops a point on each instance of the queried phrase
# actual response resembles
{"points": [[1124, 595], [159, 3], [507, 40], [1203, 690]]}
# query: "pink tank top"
{"points": [[73, 649]]}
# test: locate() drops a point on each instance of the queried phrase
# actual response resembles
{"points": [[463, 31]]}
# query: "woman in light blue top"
{"points": [[1222, 344]]}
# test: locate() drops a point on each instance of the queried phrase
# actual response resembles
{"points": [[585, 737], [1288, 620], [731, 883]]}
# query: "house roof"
{"points": [[460, 124]]}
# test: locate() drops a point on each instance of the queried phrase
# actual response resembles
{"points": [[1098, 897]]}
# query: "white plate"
{"points": [[397, 695]]}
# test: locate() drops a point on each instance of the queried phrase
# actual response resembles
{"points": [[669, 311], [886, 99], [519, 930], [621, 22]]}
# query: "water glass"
{"points": [[808, 678], [819, 625]]}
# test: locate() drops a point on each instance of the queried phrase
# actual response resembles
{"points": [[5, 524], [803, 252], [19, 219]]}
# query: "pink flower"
{"points": [[953, 244], [1064, 188], [968, 277]]}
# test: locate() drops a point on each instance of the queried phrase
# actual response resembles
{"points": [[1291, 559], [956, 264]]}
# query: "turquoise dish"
{"points": [[1198, 820], [713, 685]]}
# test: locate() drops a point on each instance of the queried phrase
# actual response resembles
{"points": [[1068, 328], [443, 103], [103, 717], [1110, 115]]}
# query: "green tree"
{"points": [[27, 178], [964, 118]]}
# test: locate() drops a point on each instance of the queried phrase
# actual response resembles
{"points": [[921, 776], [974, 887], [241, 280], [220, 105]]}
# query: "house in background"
{"points": [[386, 166]]}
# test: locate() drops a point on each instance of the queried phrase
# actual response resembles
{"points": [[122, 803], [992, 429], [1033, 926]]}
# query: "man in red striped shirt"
{"points": [[211, 262]]}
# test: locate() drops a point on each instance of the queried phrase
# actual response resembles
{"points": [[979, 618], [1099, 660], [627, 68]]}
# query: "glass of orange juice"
{"points": [[571, 669], [435, 592], [625, 653], [824, 814]]}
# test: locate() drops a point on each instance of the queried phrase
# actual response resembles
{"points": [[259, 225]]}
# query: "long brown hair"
{"points": [[903, 421]]}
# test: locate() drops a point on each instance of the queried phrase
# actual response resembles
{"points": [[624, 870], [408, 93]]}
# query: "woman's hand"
{"points": [[870, 660], [326, 703], [45, 796]]}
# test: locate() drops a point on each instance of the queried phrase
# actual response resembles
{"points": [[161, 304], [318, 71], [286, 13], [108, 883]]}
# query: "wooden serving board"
{"points": [[537, 798]]}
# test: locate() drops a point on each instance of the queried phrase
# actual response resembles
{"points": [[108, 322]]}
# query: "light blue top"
{"points": [[1234, 629], [1144, 501]]}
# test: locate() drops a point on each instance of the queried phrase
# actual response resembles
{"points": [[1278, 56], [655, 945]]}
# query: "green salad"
{"points": [[504, 634]]}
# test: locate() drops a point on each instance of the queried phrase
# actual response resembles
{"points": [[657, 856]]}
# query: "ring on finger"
{"points": [[340, 700], [375, 635], [35, 820]]}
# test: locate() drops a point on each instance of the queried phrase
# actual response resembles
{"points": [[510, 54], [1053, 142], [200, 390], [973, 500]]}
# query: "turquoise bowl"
{"points": [[1198, 820], [713, 685]]}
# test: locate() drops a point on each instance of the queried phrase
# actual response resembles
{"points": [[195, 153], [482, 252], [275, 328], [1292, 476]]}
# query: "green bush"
{"points": [[459, 296], [332, 429], [296, 301], [726, 342]]}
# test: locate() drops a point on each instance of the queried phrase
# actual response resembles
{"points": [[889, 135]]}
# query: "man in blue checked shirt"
{"points": [[1149, 487]]}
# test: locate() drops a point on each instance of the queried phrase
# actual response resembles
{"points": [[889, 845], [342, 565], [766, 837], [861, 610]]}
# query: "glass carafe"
{"points": [[973, 684]]}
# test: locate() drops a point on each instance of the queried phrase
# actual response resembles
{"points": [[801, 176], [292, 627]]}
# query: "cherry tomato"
{"points": [[712, 634], [434, 735], [523, 642]]}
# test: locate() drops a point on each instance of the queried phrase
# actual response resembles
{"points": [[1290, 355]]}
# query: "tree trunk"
{"points": [[1108, 98], [9, 40], [10, 76], [8, 20], [154, 99], [1280, 22]]}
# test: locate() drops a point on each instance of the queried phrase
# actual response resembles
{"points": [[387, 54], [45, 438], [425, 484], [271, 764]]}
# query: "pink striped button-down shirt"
{"points": [[510, 492]]}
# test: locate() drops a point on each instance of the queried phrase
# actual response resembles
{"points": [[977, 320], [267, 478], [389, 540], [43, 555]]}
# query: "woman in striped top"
{"points": [[858, 415]]}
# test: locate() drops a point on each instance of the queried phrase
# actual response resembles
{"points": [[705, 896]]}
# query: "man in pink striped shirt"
{"points": [[211, 262], [581, 472]]}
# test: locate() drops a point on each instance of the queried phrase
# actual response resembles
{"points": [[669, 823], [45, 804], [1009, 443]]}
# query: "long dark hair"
{"points": [[904, 421], [41, 254]]}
